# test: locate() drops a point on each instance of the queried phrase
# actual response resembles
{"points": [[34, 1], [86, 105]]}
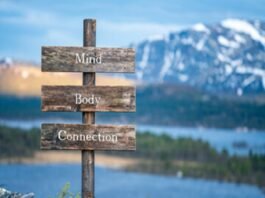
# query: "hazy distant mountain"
{"points": [[25, 78], [228, 56]]}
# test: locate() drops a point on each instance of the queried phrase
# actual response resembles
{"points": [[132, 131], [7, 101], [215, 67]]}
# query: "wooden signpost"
{"points": [[87, 59], [88, 99], [84, 136]]}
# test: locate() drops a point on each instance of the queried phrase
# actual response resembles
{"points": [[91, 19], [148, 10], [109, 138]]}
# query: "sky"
{"points": [[25, 26]]}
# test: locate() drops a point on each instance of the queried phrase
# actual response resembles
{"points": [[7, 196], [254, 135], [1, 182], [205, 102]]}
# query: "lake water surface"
{"points": [[218, 138], [46, 180]]}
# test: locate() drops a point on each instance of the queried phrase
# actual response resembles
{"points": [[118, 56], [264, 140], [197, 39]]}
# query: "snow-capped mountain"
{"points": [[6, 62], [228, 56]]}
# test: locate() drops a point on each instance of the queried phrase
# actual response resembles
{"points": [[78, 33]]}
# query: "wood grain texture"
{"points": [[112, 98], [50, 140], [63, 59], [88, 156]]}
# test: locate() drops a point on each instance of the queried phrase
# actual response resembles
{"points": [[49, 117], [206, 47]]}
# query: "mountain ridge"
{"points": [[21, 78], [223, 57]]}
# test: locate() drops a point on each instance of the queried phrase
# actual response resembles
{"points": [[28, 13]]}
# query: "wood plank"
{"points": [[87, 137], [88, 98], [87, 59]]}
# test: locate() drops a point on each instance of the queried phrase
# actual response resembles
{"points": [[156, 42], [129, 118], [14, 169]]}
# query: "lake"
{"points": [[234, 141], [46, 180], [218, 138]]}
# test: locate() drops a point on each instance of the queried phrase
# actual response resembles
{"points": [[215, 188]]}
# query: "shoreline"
{"points": [[71, 157], [113, 162]]}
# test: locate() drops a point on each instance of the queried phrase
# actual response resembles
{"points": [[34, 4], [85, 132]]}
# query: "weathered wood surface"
{"points": [[111, 98], [88, 156], [50, 139], [63, 59]]}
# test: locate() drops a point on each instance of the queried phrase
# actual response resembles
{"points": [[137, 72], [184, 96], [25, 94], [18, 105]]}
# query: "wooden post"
{"points": [[88, 99], [88, 156]]}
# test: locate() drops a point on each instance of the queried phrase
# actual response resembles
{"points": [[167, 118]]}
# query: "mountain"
{"points": [[25, 78], [224, 57]]}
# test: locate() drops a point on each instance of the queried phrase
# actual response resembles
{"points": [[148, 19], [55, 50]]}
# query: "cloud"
{"points": [[112, 33], [144, 27], [8, 5], [44, 26], [38, 26], [18, 14], [134, 26], [31, 17], [61, 37]]}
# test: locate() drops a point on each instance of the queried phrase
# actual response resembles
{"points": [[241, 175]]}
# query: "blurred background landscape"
{"points": [[200, 77]]}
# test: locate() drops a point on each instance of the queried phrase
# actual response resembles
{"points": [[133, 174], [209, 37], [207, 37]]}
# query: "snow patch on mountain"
{"points": [[239, 38], [201, 28], [6, 62], [144, 61], [167, 64], [225, 42], [244, 27], [253, 71], [200, 45], [228, 56]]}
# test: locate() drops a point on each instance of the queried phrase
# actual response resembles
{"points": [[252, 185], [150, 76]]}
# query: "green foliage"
{"points": [[163, 154], [186, 106], [163, 147], [14, 107], [162, 105], [65, 192], [196, 158], [18, 142], [160, 154]]}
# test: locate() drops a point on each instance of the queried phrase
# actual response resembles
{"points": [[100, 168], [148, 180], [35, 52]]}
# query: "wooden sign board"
{"points": [[87, 59], [88, 98], [87, 137]]}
